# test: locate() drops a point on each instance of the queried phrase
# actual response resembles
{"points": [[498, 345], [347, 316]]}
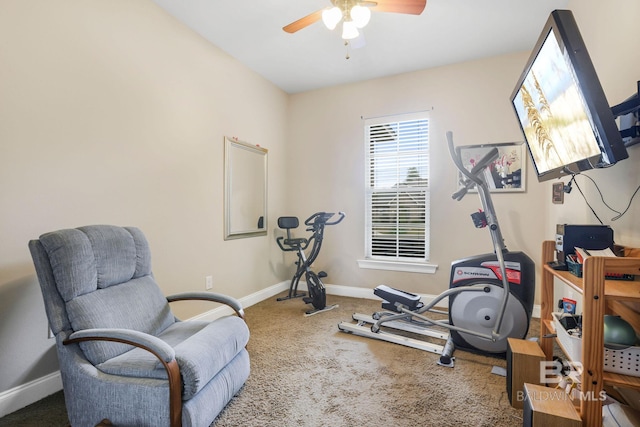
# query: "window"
{"points": [[397, 188]]}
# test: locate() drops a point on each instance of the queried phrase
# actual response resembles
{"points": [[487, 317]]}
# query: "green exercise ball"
{"points": [[618, 333]]}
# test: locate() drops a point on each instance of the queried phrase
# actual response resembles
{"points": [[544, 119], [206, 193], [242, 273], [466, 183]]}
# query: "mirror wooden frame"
{"points": [[245, 190]]}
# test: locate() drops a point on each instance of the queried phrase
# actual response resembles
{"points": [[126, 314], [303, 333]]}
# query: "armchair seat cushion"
{"points": [[200, 355]]}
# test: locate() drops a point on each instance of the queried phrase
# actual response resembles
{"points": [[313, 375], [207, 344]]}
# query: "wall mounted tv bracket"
{"points": [[629, 112]]}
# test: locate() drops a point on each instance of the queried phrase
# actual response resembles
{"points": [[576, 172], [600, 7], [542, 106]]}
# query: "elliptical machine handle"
{"points": [[472, 176]]}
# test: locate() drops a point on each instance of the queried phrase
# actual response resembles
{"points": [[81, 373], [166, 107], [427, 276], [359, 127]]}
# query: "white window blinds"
{"points": [[397, 187]]}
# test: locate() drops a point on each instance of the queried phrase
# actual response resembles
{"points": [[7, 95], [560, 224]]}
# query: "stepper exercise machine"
{"points": [[316, 224], [481, 314]]}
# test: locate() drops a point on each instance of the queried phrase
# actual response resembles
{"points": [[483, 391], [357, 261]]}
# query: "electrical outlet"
{"points": [[208, 282]]}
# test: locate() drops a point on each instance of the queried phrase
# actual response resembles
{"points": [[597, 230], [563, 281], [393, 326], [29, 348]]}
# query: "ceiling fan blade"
{"points": [[303, 22], [411, 7]]}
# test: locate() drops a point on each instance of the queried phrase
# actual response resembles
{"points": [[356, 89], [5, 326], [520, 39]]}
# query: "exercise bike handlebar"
{"points": [[472, 176], [341, 217], [323, 218]]}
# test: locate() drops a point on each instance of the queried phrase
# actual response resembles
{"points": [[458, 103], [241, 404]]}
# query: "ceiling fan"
{"points": [[355, 14]]}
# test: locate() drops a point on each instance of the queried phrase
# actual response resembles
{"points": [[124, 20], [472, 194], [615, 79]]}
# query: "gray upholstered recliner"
{"points": [[123, 355]]}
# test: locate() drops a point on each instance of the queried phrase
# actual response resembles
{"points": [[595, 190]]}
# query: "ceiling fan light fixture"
{"points": [[349, 30], [331, 17], [360, 15]]}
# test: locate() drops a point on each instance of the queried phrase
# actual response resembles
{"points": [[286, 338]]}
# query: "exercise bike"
{"points": [[315, 223], [490, 296]]}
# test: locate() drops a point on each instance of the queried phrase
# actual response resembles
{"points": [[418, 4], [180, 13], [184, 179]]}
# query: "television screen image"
{"points": [[561, 107], [552, 112]]}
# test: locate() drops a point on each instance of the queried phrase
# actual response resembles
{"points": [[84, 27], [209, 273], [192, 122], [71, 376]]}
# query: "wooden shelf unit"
{"points": [[600, 297]]}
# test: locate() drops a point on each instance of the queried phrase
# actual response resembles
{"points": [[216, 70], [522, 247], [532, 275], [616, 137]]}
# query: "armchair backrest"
{"points": [[99, 277]]}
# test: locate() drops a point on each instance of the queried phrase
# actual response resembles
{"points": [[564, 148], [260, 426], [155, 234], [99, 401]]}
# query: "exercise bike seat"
{"points": [[392, 297], [295, 242], [288, 223]]}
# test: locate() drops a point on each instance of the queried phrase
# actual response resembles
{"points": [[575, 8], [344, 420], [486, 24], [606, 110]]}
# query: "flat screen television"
{"points": [[561, 107]]}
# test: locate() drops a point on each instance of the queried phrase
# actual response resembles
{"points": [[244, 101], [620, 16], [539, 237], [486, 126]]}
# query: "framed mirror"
{"points": [[245, 189]]}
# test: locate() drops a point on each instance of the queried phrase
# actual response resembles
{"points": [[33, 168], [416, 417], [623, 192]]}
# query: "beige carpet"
{"points": [[305, 372]]}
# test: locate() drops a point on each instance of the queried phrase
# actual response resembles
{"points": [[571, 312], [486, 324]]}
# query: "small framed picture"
{"points": [[505, 174], [557, 195]]}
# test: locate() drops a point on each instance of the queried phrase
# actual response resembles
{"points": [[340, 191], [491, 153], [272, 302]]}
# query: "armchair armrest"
{"points": [[163, 351], [155, 345], [210, 296]]}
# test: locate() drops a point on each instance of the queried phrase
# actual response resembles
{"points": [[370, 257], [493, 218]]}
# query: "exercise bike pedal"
{"points": [[307, 300], [322, 274]]}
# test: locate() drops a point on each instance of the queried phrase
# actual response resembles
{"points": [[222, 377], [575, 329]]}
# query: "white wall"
{"points": [[327, 147], [113, 112]]}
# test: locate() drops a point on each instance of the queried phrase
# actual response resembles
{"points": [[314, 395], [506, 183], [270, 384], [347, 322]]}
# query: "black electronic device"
{"points": [[570, 236], [563, 112]]}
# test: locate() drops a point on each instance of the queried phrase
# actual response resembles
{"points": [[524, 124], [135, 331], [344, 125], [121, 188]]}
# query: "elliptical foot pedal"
{"points": [[392, 296], [397, 305], [316, 311]]}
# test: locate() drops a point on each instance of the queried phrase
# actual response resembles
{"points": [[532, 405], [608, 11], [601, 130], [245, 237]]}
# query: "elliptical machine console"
{"points": [[490, 295]]}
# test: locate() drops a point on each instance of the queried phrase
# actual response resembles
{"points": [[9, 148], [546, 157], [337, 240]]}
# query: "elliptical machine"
{"points": [[315, 223], [481, 314]]}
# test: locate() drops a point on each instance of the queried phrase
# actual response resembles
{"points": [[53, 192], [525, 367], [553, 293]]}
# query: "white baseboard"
{"points": [[247, 301], [536, 311], [26, 394]]}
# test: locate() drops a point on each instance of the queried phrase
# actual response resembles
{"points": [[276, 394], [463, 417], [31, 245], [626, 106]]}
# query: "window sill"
{"points": [[410, 267]]}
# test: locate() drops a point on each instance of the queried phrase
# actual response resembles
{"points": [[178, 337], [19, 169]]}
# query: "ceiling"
{"points": [[447, 32]]}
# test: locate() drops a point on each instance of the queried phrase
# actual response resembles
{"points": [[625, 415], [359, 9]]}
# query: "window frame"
{"points": [[404, 156]]}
